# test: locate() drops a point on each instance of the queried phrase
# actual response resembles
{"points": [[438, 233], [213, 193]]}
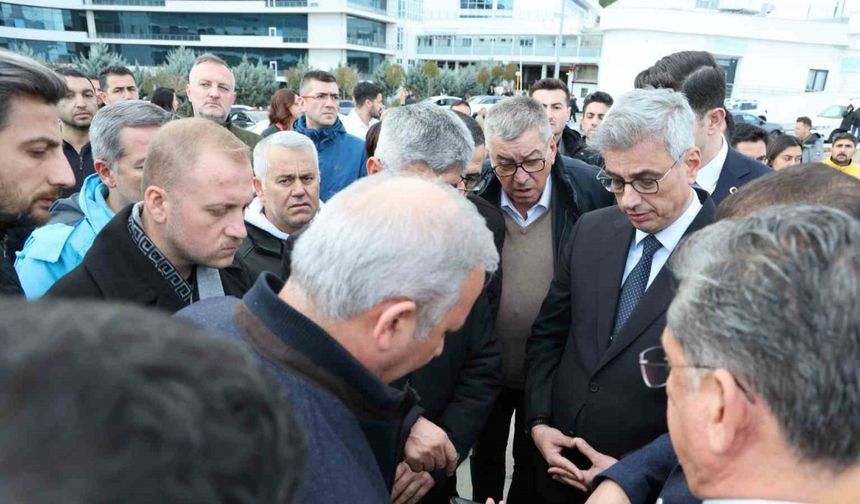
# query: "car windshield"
{"points": [[258, 115], [833, 112]]}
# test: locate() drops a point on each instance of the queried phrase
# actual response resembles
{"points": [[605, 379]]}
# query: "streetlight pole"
{"points": [[558, 41]]}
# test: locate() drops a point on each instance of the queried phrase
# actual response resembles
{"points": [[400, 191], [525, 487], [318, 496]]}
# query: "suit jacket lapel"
{"points": [[731, 175], [656, 300], [611, 270]]}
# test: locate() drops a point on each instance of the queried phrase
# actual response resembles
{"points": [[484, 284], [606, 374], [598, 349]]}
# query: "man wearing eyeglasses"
{"points": [[342, 158], [610, 293], [541, 195]]}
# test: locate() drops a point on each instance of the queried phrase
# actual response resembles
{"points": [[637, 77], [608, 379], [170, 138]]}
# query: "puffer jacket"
{"points": [[342, 159]]}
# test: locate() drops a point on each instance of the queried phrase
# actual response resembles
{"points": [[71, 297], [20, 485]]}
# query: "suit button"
{"points": [[593, 387]]}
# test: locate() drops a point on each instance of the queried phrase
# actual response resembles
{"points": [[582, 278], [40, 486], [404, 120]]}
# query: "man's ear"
{"points": [[692, 162], [728, 411], [374, 166], [102, 96], [156, 202], [258, 187], [715, 120], [397, 320], [105, 174], [553, 151]]}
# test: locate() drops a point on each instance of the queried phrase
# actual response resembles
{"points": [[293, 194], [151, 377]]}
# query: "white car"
{"points": [[485, 102], [827, 122], [443, 100]]}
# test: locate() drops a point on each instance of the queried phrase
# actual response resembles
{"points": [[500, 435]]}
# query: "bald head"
{"points": [[176, 149]]}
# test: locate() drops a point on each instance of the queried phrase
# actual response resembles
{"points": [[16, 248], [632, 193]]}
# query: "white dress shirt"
{"points": [[668, 237], [534, 212], [709, 174], [355, 126]]}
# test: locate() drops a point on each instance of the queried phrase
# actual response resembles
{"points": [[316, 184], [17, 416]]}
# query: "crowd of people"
{"points": [[346, 308]]}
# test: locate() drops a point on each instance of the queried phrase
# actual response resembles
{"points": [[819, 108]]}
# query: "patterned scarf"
{"points": [[180, 286]]}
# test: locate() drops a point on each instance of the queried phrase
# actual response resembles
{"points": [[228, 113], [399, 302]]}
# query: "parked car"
{"points": [[827, 123], [483, 102], [443, 100], [772, 129], [753, 107], [247, 118], [346, 107]]}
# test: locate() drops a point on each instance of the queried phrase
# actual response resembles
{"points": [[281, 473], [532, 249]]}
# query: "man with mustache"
{"points": [[842, 155], [33, 169], [77, 109], [174, 247], [211, 90], [287, 183]]}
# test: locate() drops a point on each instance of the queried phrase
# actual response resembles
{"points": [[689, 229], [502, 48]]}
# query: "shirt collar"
{"points": [[710, 173], [543, 202], [254, 215], [672, 234]]}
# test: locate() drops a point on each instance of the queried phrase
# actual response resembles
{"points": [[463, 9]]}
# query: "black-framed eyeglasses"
{"points": [[475, 183], [324, 96], [655, 370], [528, 166], [642, 186]]}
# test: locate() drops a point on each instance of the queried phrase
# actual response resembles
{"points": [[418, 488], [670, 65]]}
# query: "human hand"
{"points": [[608, 492], [599, 461], [409, 486], [428, 448], [551, 442], [491, 501]]}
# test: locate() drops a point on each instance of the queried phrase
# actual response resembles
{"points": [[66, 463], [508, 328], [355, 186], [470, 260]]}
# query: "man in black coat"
{"points": [[703, 82], [610, 293], [175, 246], [33, 169], [541, 195]]}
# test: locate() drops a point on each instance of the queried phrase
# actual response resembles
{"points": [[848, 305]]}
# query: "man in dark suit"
{"points": [[608, 298], [703, 82]]}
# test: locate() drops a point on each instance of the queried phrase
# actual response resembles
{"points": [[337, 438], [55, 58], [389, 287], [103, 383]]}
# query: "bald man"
{"points": [[176, 246]]}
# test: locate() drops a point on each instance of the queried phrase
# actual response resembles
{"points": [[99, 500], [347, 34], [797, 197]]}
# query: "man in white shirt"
{"points": [[368, 107], [759, 358]]}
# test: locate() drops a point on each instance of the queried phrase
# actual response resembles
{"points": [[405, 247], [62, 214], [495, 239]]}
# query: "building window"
{"points": [[707, 4], [42, 18], [504, 4], [376, 5], [187, 26], [476, 4], [399, 38], [816, 81], [365, 62], [366, 32], [55, 52]]}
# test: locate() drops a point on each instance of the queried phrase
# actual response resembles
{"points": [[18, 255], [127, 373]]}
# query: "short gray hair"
{"points": [[109, 122], [424, 133], [211, 58], [643, 115], [285, 139], [510, 118], [773, 299], [378, 240], [22, 76]]}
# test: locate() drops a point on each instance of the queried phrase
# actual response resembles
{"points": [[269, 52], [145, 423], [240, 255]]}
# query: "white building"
{"points": [[325, 33], [796, 66]]}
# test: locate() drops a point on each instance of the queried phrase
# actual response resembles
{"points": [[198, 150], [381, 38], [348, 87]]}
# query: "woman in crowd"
{"points": [[165, 98], [286, 107], [784, 151]]}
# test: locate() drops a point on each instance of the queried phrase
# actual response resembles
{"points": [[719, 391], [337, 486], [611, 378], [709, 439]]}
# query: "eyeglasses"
{"points": [[528, 166], [642, 186], [474, 182], [324, 96], [655, 370]]}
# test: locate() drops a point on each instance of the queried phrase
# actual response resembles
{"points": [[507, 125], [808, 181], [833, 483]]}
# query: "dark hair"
{"points": [[71, 72], [163, 97], [112, 70], [744, 132], [459, 103], [777, 145], [551, 84], [113, 403], [372, 138], [844, 136], [22, 76], [805, 120], [315, 75], [474, 128], [694, 73], [813, 183], [599, 97], [365, 91], [279, 109]]}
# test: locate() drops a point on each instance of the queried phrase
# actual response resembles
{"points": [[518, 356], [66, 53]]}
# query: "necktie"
{"points": [[634, 287]]}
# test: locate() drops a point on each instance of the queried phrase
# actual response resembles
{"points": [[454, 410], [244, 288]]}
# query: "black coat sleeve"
{"points": [[546, 342], [76, 284], [643, 473]]}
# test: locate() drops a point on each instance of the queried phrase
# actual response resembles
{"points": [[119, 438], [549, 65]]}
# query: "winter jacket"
{"points": [[813, 148], [576, 148], [58, 247], [342, 159]]}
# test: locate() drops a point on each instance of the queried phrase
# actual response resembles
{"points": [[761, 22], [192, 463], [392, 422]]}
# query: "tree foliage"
{"points": [[389, 77], [100, 56], [347, 78], [255, 83], [24, 50], [417, 81], [294, 74]]}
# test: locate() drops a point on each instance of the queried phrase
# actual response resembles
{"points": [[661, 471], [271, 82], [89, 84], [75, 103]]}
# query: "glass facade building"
{"points": [[156, 55], [42, 18], [366, 32], [365, 62], [188, 26]]}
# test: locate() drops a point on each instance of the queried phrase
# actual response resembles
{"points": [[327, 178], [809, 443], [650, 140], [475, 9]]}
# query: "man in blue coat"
{"points": [[342, 158], [119, 135]]}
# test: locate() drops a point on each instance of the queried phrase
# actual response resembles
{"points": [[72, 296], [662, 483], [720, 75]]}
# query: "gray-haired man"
{"points": [[287, 183], [377, 283], [119, 136], [610, 292]]}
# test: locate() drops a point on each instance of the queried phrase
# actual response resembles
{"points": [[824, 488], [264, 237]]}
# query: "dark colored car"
{"points": [[772, 129]]}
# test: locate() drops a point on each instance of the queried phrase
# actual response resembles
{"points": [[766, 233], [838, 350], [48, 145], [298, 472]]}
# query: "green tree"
{"points": [[179, 61], [606, 3], [416, 80], [511, 72], [100, 56], [24, 50], [467, 82], [446, 83], [389, 77], [431, 69], [347, 78], [294, 74], [255, 83]]}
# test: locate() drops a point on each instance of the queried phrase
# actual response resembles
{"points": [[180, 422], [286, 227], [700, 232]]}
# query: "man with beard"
{"points": [[368, 107], [555, 98], [175, 246], [33, 169], [211, 90], [842, 155], [77, 109]]}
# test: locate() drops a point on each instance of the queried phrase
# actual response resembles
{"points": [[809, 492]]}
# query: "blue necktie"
{"points": [[634, 287]]}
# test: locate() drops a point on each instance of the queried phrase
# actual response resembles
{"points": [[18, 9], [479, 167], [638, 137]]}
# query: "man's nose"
{"points": [[60, 172]]}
